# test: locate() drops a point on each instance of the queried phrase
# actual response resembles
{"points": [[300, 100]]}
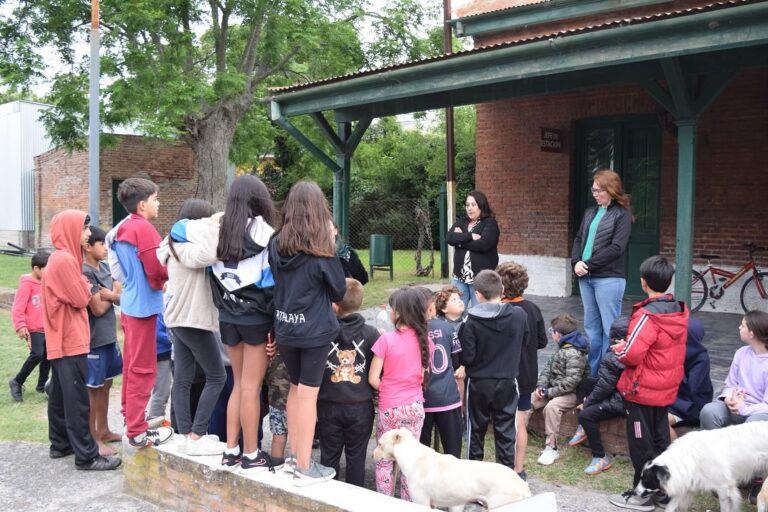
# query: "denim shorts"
{"points": [[104, 363]]}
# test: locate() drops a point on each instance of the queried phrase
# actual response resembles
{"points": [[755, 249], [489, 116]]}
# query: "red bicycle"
{"points": [[753, 293]]}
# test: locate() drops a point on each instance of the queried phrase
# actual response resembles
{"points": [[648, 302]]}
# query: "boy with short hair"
{"points": [[104, 360], [559, 380], [492, 339], [66, 294], [653, 356], [135, 242], [27, 315], [345, 401], [514, 277]]}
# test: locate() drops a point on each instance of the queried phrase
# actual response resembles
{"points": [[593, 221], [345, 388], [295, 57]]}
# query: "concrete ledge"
{"points": [[177, 481]]}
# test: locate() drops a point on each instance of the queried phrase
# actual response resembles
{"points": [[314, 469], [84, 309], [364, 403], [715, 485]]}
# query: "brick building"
{"points": [[62, 180], [673, 95], [544, 194]]}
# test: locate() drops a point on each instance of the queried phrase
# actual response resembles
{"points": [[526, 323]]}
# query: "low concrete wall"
{"points": [[547, 275], [175, 481]]}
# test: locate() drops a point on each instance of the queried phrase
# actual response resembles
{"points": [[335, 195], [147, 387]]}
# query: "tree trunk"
{"points": [[211, 142]]}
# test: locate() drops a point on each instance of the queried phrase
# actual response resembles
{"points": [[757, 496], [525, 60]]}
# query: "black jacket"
{"points": [[482, 252], [604, 393], [537, 340], [610, 243], [353, 267], [492, 339], [346, 371], [305, 287]]}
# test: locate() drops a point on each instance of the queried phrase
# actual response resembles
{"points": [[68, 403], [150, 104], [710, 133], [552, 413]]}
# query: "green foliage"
{"points": [[175, 68]]}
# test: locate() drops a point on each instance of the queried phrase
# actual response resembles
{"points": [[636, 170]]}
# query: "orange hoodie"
{"points": [[66, 291]]}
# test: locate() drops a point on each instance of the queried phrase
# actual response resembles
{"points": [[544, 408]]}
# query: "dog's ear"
{"points": [[654, 476]]}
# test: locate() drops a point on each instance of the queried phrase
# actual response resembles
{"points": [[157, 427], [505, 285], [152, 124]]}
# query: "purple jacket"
{"points": [[749, 371]]}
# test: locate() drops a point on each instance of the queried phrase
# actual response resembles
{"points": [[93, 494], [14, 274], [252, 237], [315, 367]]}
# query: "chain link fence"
{"points": [[412, 225]]}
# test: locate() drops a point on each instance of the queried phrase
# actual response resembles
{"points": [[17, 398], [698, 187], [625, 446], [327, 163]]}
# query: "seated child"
{"points": [[442, 402], [559, 380], [27, 314], [695, 390], [514, 276], [745, 395], [603, 402], [345, 402]]}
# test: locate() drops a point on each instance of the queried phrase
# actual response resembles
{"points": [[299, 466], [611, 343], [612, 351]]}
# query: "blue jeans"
{"points": [[467, 293], [601, 297]]}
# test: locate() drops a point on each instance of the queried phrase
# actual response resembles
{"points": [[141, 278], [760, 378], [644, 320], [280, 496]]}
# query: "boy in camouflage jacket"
{"points": [[559, 380]]}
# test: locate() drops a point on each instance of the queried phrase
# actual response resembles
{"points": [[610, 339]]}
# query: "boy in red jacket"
{"points": [[27, 314], [653, 357], [66, 294]]}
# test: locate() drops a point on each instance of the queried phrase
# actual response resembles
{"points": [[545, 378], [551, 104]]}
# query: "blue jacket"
{"points": [[696, 388], [163, 343]]}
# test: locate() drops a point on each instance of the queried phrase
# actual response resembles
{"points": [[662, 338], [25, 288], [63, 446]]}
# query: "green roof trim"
{"points": [[705, 40]]}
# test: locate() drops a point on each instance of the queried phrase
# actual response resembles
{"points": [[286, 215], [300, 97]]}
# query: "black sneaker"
{"points": [[262, 462], [100, 464], [661, 500], [16, 393], [58, 454], [229, 460], [523, 476], [152, 437], [755, 486]]}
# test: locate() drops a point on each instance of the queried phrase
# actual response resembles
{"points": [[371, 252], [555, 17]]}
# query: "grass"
{"points": [[379, 288], [19, 421], [11, 267]]}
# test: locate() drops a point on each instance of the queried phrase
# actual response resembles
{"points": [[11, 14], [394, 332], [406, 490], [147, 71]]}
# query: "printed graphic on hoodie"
{"points": [[344, 363]]}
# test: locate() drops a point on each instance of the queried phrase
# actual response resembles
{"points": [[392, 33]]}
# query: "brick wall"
{"points": [[62, 179], [531, 191]]}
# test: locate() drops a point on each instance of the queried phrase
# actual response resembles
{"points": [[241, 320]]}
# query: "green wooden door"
{"points": [[630, 145], [118, 212]]}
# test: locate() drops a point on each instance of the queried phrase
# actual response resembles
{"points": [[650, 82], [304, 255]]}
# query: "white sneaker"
{"points": [[548, 456], [204, 446]]}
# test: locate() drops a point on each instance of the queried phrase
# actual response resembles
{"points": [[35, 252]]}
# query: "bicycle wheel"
{"points": [[698, 291], [751, 298]]}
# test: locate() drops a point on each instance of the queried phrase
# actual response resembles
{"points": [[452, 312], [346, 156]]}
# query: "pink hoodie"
{"points": [[27, 308]]}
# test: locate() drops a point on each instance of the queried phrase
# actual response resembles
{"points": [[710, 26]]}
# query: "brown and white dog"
{"points": [[708, 461], [443, 481]]}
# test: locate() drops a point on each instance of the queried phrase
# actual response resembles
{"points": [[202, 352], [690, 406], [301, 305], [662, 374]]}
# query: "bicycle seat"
{"points": [[709, 256]]}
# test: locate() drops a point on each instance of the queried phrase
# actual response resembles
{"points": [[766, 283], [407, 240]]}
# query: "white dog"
{"points": [[708, 461], [438, 480]]}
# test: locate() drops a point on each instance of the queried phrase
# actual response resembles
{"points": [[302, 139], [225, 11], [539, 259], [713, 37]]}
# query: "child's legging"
{"points": [[409, 416]]}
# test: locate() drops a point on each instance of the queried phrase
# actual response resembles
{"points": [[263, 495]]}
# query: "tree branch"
{"points": [[248, 61], [265, 72]]}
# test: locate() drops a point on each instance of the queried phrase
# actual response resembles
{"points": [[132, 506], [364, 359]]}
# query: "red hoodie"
{"points": [[66, 291], [27, 308]]}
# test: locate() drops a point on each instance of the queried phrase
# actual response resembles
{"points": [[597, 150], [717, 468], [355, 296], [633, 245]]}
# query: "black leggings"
{"points": [[448, 425]]}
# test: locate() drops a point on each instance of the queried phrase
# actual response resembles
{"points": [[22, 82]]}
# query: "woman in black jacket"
{"points": [[475, 238], [598, 260]]}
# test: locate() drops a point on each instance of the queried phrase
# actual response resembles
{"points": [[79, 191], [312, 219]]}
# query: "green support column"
{"points": [[686, 188], [341, 181]]}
